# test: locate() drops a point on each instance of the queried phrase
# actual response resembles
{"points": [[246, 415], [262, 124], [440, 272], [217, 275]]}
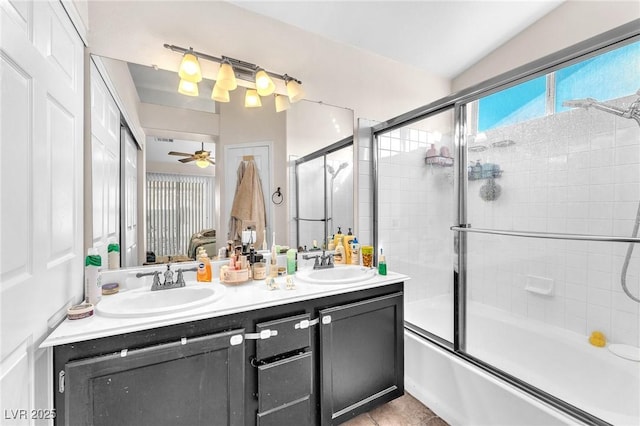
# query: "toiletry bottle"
{"points": [[92, 265], [291, 261], [338, 255], [274, 258], [432, 152], [355, 252], [331, 245], [113, 254], [335, 238], [346, 242], [382, 264], [207, 265]]}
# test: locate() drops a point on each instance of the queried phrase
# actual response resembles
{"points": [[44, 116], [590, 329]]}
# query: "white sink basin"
{"points": [[338, 275], [143, 302]]}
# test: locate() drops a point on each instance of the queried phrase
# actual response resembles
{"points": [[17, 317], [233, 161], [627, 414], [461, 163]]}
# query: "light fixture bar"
{"points": [[237, 64]]}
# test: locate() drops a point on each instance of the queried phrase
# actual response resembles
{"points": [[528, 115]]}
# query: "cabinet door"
{"points": [[361, 357], [198, 381]]}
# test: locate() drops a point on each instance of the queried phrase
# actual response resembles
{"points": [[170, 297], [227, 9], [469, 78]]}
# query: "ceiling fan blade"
{"points": [[211, 161], [180, 153], [186, 160]]}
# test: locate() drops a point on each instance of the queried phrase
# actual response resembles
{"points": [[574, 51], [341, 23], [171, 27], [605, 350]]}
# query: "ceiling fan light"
{"points": [[190, 68], [282, 103], [202, 163], [188, 88], [295, 91], [252, 99], [264, 84], [226, 77], [219, 95]]}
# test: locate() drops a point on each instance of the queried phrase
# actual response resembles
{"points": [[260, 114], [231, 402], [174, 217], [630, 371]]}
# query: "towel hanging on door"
{"points": [[248, 207]]}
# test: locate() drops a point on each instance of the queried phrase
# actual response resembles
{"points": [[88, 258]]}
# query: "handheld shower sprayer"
{"points": [[633, 112]]}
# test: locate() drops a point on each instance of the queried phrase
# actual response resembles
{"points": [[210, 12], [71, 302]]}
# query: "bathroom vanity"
{"points": [[318, 354]]}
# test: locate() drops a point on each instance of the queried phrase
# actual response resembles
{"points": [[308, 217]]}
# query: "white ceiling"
{"points": [[442, 37]]}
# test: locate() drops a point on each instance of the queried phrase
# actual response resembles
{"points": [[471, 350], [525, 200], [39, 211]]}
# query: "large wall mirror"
{"points": [[175, 197]]}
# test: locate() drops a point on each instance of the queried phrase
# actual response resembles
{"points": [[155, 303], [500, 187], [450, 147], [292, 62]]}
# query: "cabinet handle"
{"points": [[306, 323], [264, 334], [326, 319], [61, 381]]}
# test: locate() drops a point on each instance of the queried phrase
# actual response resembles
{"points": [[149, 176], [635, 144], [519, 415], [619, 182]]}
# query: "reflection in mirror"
{"points": [[163, 121], [324, 184]]}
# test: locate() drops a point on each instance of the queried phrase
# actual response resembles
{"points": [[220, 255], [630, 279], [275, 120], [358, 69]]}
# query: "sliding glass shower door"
{"points": [[415, 209]]}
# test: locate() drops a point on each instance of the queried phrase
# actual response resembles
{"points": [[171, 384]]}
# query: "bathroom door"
{"points": [[233, 156]]}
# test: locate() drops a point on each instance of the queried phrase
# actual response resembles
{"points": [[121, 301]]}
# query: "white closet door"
{"points": [[41, 172], [105, 152], [129, 245]]}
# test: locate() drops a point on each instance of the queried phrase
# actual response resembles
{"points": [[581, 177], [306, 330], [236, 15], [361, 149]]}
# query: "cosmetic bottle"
{"points": [[92, 287], [338, 255], [382, 264], [355, 252], [113, 254], [346, 242]]}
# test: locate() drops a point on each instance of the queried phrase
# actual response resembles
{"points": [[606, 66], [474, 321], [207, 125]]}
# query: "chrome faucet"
{"points": [[168, 278], [322, 261]]}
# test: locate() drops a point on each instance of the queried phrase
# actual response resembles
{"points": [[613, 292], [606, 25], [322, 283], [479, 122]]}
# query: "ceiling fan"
{"points": [[201, 157]]}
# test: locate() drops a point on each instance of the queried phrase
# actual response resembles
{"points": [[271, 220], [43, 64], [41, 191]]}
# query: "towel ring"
{"points": [[277, 197]]}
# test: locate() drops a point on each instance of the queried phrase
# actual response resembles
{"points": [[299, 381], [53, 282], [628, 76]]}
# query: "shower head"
{"points": [[333, 172], [592, 103]]}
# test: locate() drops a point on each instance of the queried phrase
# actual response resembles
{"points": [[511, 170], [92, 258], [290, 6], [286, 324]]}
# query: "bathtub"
{"points": [[557, 361]]}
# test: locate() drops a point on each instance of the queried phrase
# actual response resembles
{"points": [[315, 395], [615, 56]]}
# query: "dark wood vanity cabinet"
{"points": [[325, 361]]}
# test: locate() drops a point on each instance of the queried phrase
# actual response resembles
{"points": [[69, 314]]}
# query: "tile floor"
{"points": [[403, 411]]}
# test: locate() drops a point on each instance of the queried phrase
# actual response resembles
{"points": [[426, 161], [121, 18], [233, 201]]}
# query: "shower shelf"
{"points": [[439, 160], [492, 174]]}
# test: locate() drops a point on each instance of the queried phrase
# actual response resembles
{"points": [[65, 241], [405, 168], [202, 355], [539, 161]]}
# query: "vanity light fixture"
{"points": [[190, 68], [264, 85], [282, 103], [252, 99], [226, 79], [188, 88], [219, 94]]}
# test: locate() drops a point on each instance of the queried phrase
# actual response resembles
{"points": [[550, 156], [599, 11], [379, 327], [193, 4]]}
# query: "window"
{"points": [[177, 207], [619, 69]]}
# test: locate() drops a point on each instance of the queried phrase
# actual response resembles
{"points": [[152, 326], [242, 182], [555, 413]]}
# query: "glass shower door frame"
{"points": [[459, 101]]}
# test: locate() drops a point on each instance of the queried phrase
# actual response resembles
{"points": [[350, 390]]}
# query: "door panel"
{"points": [[161, 385], [41, 204], [129, 232]]}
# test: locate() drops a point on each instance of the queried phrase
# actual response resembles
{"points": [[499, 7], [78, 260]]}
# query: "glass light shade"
{"points": [[282, 103], [219, 95], [294, 90], [188, 88], [264, 84], [203, 164], [226, 77], [252, 99], [190, 68]]}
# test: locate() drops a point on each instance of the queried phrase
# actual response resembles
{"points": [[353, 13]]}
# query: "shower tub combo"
{"points": [[462, 393]]}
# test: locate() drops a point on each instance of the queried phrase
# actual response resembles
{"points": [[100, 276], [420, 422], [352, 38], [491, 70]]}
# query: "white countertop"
{"points": [[235, 299]]}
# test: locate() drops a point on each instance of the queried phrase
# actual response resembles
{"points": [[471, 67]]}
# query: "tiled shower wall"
{"points": [[574, 172], [415, 211]]}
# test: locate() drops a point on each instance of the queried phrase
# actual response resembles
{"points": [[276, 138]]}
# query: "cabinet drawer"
{"points": [[284, 381], [289, 338], [296, 413]]}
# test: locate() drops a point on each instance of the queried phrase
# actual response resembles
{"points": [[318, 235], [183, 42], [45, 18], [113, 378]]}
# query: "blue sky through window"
{"points": [[612, 75]]}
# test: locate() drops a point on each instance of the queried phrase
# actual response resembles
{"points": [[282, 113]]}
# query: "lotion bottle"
{"points": [[92, 265], [113, 254], [355, 252], [339, 255]]}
